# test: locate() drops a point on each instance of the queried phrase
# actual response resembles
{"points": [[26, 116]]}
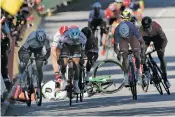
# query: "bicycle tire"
{"points": [[82, 84], [29, 91], [155, 77], [164, 85], [109, 61], [38, 91], [157, 84], [70, 72], [145, 88], [28, 102], [133, 84]]}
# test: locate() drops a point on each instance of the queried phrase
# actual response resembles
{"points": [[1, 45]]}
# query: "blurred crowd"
{"points": [[12, 28]]}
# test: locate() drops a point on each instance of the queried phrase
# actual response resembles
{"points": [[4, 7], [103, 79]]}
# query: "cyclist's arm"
{"points": [[102, 14], [29, 38], [141, 3], [139, 37], [90, 16], [47, 45], [116, 40], [159, 30], [55, 53]]}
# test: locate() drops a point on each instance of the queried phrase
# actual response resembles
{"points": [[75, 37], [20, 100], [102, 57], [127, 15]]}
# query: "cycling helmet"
{"points": [[119, 1], [126, 3], [40, 35], [96, 5], [87, 32], [63, 29], [74, 33], [123, 30], [146, 22], [74, 26], [126, 14]]}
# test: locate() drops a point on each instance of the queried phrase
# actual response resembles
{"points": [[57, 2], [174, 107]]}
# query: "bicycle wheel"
{"points": [[28, 101], [28, 93], [70, 75], [145, 83], [161, 79], [156, 82], [37, 90], [82, 84], [110, 68], [132, 80], [155, 79]]}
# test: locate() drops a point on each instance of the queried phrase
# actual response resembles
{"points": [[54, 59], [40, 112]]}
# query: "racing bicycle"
{"points": [[155, 73], [33, 84]]}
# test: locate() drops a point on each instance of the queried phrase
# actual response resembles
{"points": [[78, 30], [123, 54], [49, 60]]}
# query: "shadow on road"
{"points": [[102, 102]]}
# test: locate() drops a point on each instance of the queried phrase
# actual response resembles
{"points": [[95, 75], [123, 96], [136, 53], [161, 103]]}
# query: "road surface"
{"points": [[121, 103]]}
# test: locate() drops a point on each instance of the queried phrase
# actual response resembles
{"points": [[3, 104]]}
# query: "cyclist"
{"points": [[91, 49], [125, 4], [97, 18], [152, 31], [72, 42], [112, 15], [138, 7], [119, 3], [35, 43], [126, 33], [128, 15]]}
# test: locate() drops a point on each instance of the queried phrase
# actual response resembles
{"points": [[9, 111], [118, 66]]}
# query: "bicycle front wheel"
{"points": [[37, 90], [133, 82], [113, 69], [161, 79]]}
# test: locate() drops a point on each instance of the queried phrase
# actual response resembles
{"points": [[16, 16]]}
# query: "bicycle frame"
{"points": [[131, 60]]}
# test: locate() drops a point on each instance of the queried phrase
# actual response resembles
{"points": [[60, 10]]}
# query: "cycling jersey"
{"points": [[156, 31], [60, 40], [93, 17], [133, 31], [32, 43]]}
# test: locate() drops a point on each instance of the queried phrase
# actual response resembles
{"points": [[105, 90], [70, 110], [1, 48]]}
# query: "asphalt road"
{"points": [[121, 103]]}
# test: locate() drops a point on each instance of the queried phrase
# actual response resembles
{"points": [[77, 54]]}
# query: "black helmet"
{"points": [[87, 32], [146, 22]]}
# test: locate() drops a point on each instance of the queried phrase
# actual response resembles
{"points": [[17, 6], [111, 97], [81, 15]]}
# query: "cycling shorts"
{"points": [[71, 50]]}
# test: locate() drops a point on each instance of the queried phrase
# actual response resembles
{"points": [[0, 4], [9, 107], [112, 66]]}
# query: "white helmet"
{"points": [[96, 5], [49, 92], [123, 30], [118, 0]]}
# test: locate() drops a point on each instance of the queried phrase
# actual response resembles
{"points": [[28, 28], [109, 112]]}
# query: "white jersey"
{"points": [[60, 40], [101, 16], [55, 39], [32, 42]]}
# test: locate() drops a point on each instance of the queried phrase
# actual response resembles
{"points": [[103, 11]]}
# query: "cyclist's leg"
{"points": [[123, 45], [92, 57], [104, 31], [39, 65], [161, 45], [76, 53], [64, 53], [24, 56], [135, 45]]}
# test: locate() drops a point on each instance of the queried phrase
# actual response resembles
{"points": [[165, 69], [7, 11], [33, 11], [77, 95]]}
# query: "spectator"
{"points": [[5, 49]]}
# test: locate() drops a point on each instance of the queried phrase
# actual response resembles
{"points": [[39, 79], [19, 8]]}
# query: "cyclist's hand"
{"points": [[45, 62]]}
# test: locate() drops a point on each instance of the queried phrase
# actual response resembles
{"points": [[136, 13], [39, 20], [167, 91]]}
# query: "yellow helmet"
{"points": [[126, 14]]}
